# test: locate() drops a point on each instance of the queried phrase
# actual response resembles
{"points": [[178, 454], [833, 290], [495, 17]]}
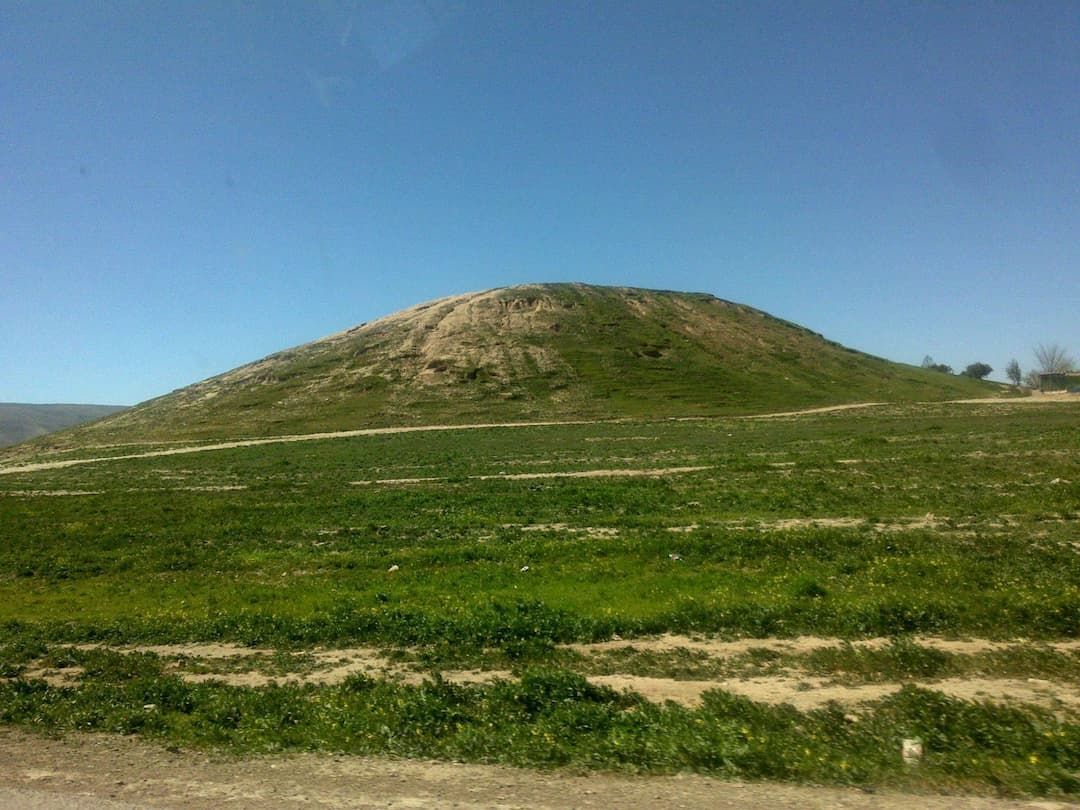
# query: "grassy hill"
{"points": [[543, 351], [650, 594], [19, 421]]}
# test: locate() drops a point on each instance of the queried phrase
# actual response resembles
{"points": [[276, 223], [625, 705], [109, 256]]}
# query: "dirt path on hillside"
{"points": [[305, 437], [108, 772], [344, 434], [806, 411]]}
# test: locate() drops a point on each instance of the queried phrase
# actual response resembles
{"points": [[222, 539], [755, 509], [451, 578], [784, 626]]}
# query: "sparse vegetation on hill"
{"points": [[545, 351]]}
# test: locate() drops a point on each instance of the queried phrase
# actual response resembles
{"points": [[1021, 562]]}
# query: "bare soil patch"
{"points": [[616, 473], [718, 648], [825, 409], [250, 666], [590, 531], [108, 772], [47, 493], [194, 650], [256, 667], [715, 648], [613, 473], [807, 692], [897, 524]]}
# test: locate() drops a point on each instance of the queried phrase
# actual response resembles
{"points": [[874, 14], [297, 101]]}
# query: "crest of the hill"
{"points": [[540, 351]]}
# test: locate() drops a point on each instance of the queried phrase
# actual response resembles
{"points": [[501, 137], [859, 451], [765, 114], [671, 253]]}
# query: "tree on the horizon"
{"points": [[928, 362], [1013, 372], [977, 371]]}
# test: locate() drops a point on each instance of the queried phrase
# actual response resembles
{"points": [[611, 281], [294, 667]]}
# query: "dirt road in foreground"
{"points": [[104, 772]]}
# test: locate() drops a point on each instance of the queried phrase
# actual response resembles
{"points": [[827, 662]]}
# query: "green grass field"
{"points": [[483, 549]]}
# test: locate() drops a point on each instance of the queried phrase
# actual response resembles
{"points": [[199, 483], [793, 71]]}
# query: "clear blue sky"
{"points": [[186, 187]]}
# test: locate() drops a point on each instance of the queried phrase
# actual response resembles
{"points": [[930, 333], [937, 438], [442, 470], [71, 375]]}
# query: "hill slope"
{"points": [[20, 421], [544, 351]]}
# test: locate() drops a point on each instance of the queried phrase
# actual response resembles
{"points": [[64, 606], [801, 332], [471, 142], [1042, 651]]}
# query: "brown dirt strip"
{"points": [[614, 473], [111, 772], [332, 666], [806, 692], [42, 493], [45, 493], [593, 474], [799, 645], [806, 411]]}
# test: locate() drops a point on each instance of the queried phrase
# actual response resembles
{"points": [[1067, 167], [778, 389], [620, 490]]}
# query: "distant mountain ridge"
{"points": [[21, 421], [536, 351]]}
